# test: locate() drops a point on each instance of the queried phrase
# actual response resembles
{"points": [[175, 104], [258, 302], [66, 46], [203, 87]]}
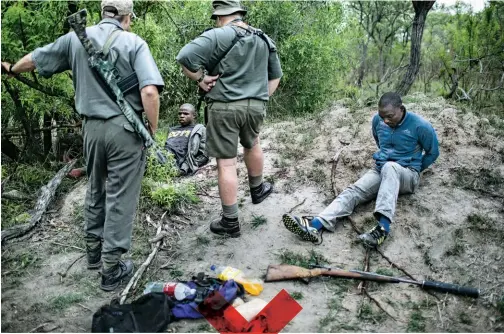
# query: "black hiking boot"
{"points": [[93, 257], [112, 277], [374, 237], [301, 227], [222, 226], [260, 193]]}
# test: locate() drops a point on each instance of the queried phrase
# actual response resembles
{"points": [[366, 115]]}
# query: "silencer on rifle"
{"points": [[451, 288]]}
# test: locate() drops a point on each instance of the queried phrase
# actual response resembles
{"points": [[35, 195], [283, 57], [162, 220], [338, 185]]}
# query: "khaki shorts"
{"points": [[232, 120]]}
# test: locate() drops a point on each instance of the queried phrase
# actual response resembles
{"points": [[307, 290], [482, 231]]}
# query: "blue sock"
{"points": [[385, 223], [317, 223]]}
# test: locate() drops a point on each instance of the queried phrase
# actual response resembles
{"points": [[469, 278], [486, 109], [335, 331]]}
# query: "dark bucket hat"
{"points": [[226, 7]]}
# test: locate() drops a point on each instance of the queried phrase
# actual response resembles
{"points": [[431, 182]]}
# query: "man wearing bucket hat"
{"points": [[115, 160], [239, 69]]}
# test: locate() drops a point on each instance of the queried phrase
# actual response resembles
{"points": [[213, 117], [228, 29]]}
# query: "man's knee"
{"points": [[391, 167]]}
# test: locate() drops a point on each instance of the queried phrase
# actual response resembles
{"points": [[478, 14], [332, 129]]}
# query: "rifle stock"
{"points": [[288, 272], [110, 77]]}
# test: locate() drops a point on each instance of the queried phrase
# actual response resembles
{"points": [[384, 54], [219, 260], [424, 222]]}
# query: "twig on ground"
{"points": [[51, 329], [159, 237], [134, 280], [334, 160], [177, 220], [70, 266], [296, 206], [64, 245], [85, 307], [395, 265], [377, 303], [39, 327], [204, 193], [440, 317], [354, 225], [362, 284]]}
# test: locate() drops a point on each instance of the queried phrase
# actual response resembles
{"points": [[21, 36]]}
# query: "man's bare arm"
{"points": [[272, 86], [25, 64], [150, 101]]}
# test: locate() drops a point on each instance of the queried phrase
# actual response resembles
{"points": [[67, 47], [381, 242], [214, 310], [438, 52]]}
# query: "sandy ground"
{"points": [[451, 230]]}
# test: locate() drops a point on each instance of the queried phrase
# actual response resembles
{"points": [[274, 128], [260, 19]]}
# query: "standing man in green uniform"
{"points": [[113, 151], [244, 72]]}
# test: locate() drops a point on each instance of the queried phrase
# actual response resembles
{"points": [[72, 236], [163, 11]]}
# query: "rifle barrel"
{"points": [[426, 285]]}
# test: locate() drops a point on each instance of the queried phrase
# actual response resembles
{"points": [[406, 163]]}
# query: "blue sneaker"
{"points": [[301, 227]]}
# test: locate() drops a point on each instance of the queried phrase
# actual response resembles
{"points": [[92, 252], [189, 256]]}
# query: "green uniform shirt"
{"points": [[67, 53], [244, 72]]}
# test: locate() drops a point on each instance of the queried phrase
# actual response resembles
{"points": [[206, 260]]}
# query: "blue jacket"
{"points": [[405, 143]]}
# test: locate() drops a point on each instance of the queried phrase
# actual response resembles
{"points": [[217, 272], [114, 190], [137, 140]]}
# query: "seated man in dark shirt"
{"points": [[187, 141]]}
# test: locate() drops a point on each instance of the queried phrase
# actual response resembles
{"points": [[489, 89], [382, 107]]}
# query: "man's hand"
{"points": [[208, 82], [5, 69], [152, 130]]}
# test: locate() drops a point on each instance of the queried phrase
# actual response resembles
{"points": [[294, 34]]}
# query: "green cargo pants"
{"points": [[115, 164]]}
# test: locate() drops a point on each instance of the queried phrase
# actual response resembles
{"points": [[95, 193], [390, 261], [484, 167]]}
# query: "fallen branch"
{"points": [[16, 195], [178, 220], [159, 237], [134, 280], [204, 193], [334, 160], [39, 327], [377, 303], [70, 266], [47, 194], [64, 245], [85, 307], [296, 206]]}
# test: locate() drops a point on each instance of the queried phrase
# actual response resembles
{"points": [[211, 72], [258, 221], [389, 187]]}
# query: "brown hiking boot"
{"points": [[223, 227], [112, 277]]}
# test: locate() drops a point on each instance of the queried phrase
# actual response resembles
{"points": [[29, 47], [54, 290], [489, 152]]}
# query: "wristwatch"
{"points": [[202, 76]]}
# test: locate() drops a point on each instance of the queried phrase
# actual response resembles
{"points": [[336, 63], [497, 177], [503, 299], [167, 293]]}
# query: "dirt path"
{"points": [[447, 231]]}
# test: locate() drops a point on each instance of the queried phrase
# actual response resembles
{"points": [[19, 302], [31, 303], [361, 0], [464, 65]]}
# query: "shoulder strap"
{"points": [[235, 40], [111, 38]]}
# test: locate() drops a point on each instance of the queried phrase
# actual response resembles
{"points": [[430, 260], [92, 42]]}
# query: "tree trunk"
{"points": [[421, 10], [10, 149], [362, 68], [47, 134], [381, 68]]}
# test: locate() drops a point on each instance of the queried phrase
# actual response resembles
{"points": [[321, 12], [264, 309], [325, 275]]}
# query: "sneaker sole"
{"points": [[292, 225]]}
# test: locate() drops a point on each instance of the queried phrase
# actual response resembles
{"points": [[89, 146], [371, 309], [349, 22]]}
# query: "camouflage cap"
{"points": [[123, 7], [226, 7]]}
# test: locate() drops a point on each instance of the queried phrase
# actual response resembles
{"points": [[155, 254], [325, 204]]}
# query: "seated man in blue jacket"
{"points": [[402, 137]]}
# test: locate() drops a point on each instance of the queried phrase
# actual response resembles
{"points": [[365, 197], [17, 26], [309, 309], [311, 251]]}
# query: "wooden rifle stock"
{"points": [[283, 272]]}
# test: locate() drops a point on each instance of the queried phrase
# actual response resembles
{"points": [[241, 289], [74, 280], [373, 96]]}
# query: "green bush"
{"points": [[159, 183]]}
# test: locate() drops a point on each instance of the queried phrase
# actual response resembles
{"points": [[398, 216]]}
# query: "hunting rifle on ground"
{"points": [[288, 272], [108, 74]]}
